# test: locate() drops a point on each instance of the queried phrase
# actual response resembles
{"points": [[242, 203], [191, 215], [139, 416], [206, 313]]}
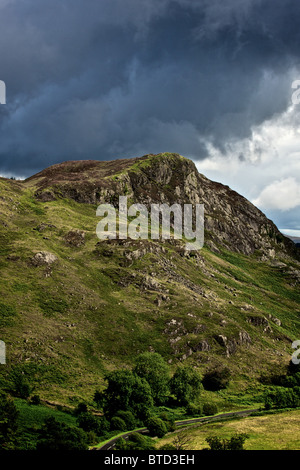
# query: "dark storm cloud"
{"points": [[120, 78]]}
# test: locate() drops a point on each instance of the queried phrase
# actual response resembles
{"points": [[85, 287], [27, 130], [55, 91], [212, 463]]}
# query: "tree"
{"points": [[128, 417], [56, 436], [127, 392], [21, 385], [156, 427], [135, 441], [117, 423], [186, 384], [153, 368], [236, 442], [88, 422], [8, 423]]}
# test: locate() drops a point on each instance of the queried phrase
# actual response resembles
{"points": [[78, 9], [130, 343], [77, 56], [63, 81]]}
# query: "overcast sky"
{"points": [[105, 79]]}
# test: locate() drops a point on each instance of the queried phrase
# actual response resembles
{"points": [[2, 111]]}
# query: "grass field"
{"points": [[280, 431]]}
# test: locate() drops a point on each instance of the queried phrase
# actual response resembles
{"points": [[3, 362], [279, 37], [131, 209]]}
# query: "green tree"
{"points": [[135, 441], [55, 436], [153, 368], [117, 423], [21, 385], [186, 384], [236, 442], [8, 423], [88, 422], [128, 417], [127, 392], [156, 427]]}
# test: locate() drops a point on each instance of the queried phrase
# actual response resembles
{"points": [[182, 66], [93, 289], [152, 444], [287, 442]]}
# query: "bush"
{"points": [[209, 409], [35, 400], [80, 408], [55, 436], [135, 441], [193, 410], [117, 424], [168, 420], [129, 419], [282, 398], [89, 422], [156, 427], [236, 442]]}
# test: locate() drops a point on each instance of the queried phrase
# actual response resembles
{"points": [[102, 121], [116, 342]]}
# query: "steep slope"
{"points": [[230, 220], [73, 307]]}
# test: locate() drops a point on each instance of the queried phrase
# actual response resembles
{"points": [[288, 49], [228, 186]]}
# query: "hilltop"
{"points": [[74, 307]]}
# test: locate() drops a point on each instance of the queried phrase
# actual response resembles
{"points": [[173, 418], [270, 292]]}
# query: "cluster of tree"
{"points": [[236, 442], [148, 384], [282, 398], [131, 399], [285, 392]]}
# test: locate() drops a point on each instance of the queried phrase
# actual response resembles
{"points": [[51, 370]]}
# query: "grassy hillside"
{"points": [[93, 306]]}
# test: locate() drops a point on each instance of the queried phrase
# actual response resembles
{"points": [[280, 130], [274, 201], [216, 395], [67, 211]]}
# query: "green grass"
{"points": [[31, 419], [268, 432]]}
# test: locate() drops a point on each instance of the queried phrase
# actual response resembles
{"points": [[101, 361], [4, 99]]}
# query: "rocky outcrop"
{"points": [[231, 221], [43, 258]]}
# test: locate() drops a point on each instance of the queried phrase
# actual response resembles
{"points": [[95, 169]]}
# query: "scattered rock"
{"points": [[44, 258], [75, 238]]}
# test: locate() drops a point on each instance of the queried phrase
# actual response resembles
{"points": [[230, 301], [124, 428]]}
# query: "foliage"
{"points": [[192, 409], [80, 408], [55, 436], [156, 427], [185, 384], [236, 442], [21, 387], [90, 423], [117, 423], [153, 368], [209, 409], [128, 418], [128, 392], [135, 441], [282, 398], [8, 423]]}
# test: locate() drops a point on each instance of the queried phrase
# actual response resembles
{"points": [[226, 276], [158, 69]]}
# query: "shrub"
{"points": [[209, 409], [135, 441], [128, 417], [117, 423], [35, 400], [89, 422], [236, 442], [156, 427], [55, 436], [80, 408], [193, 410]]}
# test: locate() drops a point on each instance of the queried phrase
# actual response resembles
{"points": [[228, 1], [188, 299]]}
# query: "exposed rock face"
{"points": [[231, 220]]}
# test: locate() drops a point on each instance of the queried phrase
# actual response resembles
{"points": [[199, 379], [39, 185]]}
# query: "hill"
{"points": [[73, 307]]}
